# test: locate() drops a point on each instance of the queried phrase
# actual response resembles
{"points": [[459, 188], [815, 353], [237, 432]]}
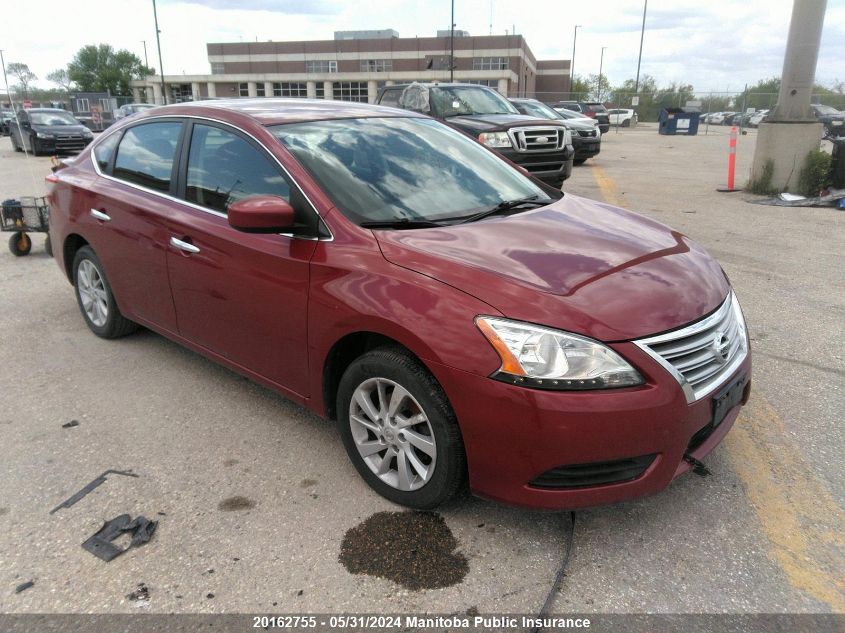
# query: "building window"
{"points": [[82, 105], [350, 91], [243, 90], [491, 83], [290, 89], [105, 105], [218, 68], [376, 65], [320, 93], [437, 62], [489, 63], [320, 66], [179, 93], [259, 90]]}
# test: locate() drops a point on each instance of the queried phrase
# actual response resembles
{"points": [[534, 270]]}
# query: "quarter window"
{"points": [[103, 152], [224, 168], [145, 155]]}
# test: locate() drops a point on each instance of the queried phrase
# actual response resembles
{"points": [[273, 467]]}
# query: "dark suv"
{"points": [[543, 148], [592, 109], [48, 131]]}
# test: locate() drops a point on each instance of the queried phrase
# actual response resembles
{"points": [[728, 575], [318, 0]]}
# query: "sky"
{"points": [[715, 45]]}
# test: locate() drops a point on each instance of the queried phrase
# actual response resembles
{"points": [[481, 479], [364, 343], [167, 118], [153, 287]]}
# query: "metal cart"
{"points": [[24, 216]]}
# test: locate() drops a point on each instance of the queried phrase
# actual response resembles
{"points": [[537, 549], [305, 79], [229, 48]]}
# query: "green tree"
{"points": [[61, 78], [580, 89], [102, 69], [24, 76]]}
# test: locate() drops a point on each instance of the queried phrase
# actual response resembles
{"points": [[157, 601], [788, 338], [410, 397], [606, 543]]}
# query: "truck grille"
{"points": [[703, 355], [70, 142], [537, 139]]}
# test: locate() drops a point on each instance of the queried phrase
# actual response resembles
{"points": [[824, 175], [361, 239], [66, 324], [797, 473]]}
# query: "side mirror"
{"points": [[261, 214]]}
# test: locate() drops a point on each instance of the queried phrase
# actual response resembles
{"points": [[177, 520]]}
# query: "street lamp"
{"points": [[601, 63], [160, 63], [572, 63], [640, 58]]}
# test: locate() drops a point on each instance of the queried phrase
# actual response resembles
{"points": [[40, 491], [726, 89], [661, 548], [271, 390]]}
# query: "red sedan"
{"points": [[460, 320]]}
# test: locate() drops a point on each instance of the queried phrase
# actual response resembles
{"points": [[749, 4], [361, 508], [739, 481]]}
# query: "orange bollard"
{"points": [[731, 159]]}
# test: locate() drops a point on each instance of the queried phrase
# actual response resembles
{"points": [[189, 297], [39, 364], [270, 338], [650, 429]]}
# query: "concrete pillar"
{"points": [[268, 88], [328, 90], [252, 88], [196, 95], [157, 97], [791, 131], [136, 95], [212, 89], [503, 87], [311, 89], [372, 91], [389, 82]]}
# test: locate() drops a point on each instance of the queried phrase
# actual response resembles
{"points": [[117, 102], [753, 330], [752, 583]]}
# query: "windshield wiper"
{"points": [[505, 205], [401, 223]]}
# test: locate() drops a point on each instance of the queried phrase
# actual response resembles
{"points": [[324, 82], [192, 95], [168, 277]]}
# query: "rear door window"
{"points": [[146, 153], [223, 167]]}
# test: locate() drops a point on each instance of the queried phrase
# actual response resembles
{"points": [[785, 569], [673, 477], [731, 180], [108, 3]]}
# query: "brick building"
{"points": [[355, 64]]}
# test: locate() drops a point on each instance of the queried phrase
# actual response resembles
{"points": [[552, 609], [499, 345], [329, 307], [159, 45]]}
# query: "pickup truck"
{"points": [[541, 147]]}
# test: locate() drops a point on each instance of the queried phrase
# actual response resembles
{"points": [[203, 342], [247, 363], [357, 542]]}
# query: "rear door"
{"points": [[242, 296], [125, 217]]}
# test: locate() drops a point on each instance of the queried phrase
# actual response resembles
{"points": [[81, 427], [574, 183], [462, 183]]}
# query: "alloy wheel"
{"points": [[92, 292]]}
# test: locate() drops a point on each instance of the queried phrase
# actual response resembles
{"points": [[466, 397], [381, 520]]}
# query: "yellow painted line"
{"points": [[799, 516], [804, 524], [607, 186]]}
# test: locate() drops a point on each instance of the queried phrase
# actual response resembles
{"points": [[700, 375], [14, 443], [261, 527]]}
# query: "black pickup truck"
{"points": [[543, 148]]}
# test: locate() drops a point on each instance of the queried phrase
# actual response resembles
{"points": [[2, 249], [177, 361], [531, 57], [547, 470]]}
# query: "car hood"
{"points": [[487, 122], [577, 265], [579, 124], [60, 129]]}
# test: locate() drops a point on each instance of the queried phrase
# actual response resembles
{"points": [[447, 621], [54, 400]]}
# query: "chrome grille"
{"points": [[70, 142], [703, 355], [537, 139]]}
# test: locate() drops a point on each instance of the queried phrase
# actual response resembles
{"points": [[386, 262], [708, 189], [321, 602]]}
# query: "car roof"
{"points": [[45, 110], [274, 111]]}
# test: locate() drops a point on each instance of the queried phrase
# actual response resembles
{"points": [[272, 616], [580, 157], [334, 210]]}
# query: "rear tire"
{"points": [[95, 298], [399, 429], [20, 244], [15, 145], [33, 146], [626, 123]]}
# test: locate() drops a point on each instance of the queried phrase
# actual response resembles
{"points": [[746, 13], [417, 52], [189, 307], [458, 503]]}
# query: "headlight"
{"points": [[43, 135], [87, 133], [567, 137], [535, 356], [495, 139]]}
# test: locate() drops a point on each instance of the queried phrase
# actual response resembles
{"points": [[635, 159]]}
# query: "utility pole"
{"points": [[601, 64], [146, 61], [572, 63], [160, 63], [452, 45], [640, 58]]}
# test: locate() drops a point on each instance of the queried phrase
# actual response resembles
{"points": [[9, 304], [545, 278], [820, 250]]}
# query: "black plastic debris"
{"points": [[141, 594], [98, 481], [24, 586], [71, 424], [101, 545]]}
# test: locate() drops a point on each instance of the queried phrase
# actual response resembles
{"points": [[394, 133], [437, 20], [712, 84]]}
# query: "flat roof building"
{"points": [[354, 65]]}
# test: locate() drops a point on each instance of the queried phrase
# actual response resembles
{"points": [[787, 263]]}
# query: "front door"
{"points": [[240, 295]]}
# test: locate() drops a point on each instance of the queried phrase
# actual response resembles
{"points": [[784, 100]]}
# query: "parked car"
{"points": [[131, 108], [592, 109], [730, 118], [542, 148], [833, 119], [48, 131], [758, 117], [716, 118], [6, 116], [572, 115], [586, 137], [459, 319], [623, 117]]}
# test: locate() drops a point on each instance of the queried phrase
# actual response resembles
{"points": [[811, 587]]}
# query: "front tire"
{"points": [[95, 298], [33, 146], [399, 429]]}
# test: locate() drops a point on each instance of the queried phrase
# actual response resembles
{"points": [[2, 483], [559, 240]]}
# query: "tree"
{"points": [[580, 88], [102, 69], [61, 78], [24, 75]]}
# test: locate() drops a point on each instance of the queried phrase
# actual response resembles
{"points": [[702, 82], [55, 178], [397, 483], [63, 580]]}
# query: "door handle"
{"points": [[99, 215], [184, 246]]}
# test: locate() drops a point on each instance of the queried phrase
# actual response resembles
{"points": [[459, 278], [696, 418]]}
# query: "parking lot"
{"points": [[254, 494]]}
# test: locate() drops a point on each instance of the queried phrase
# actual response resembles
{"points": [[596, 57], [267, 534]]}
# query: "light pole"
{"points": [[601, 63], [452, 45], [640, 58], [160, 63], [572, 63], [146, 61]]}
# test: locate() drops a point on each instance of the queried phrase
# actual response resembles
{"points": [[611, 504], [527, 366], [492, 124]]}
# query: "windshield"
{"points": [[393, 169], [540, 110], [459, 100], [58, 117]]}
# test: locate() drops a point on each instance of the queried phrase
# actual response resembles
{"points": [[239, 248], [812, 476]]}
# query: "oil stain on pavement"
{"points": [[233, 504], [413, 549]]}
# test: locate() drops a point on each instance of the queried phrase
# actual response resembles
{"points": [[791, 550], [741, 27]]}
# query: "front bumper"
{"points": [[550, 167], [586, 147], [59, 145], [513, 435]]}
